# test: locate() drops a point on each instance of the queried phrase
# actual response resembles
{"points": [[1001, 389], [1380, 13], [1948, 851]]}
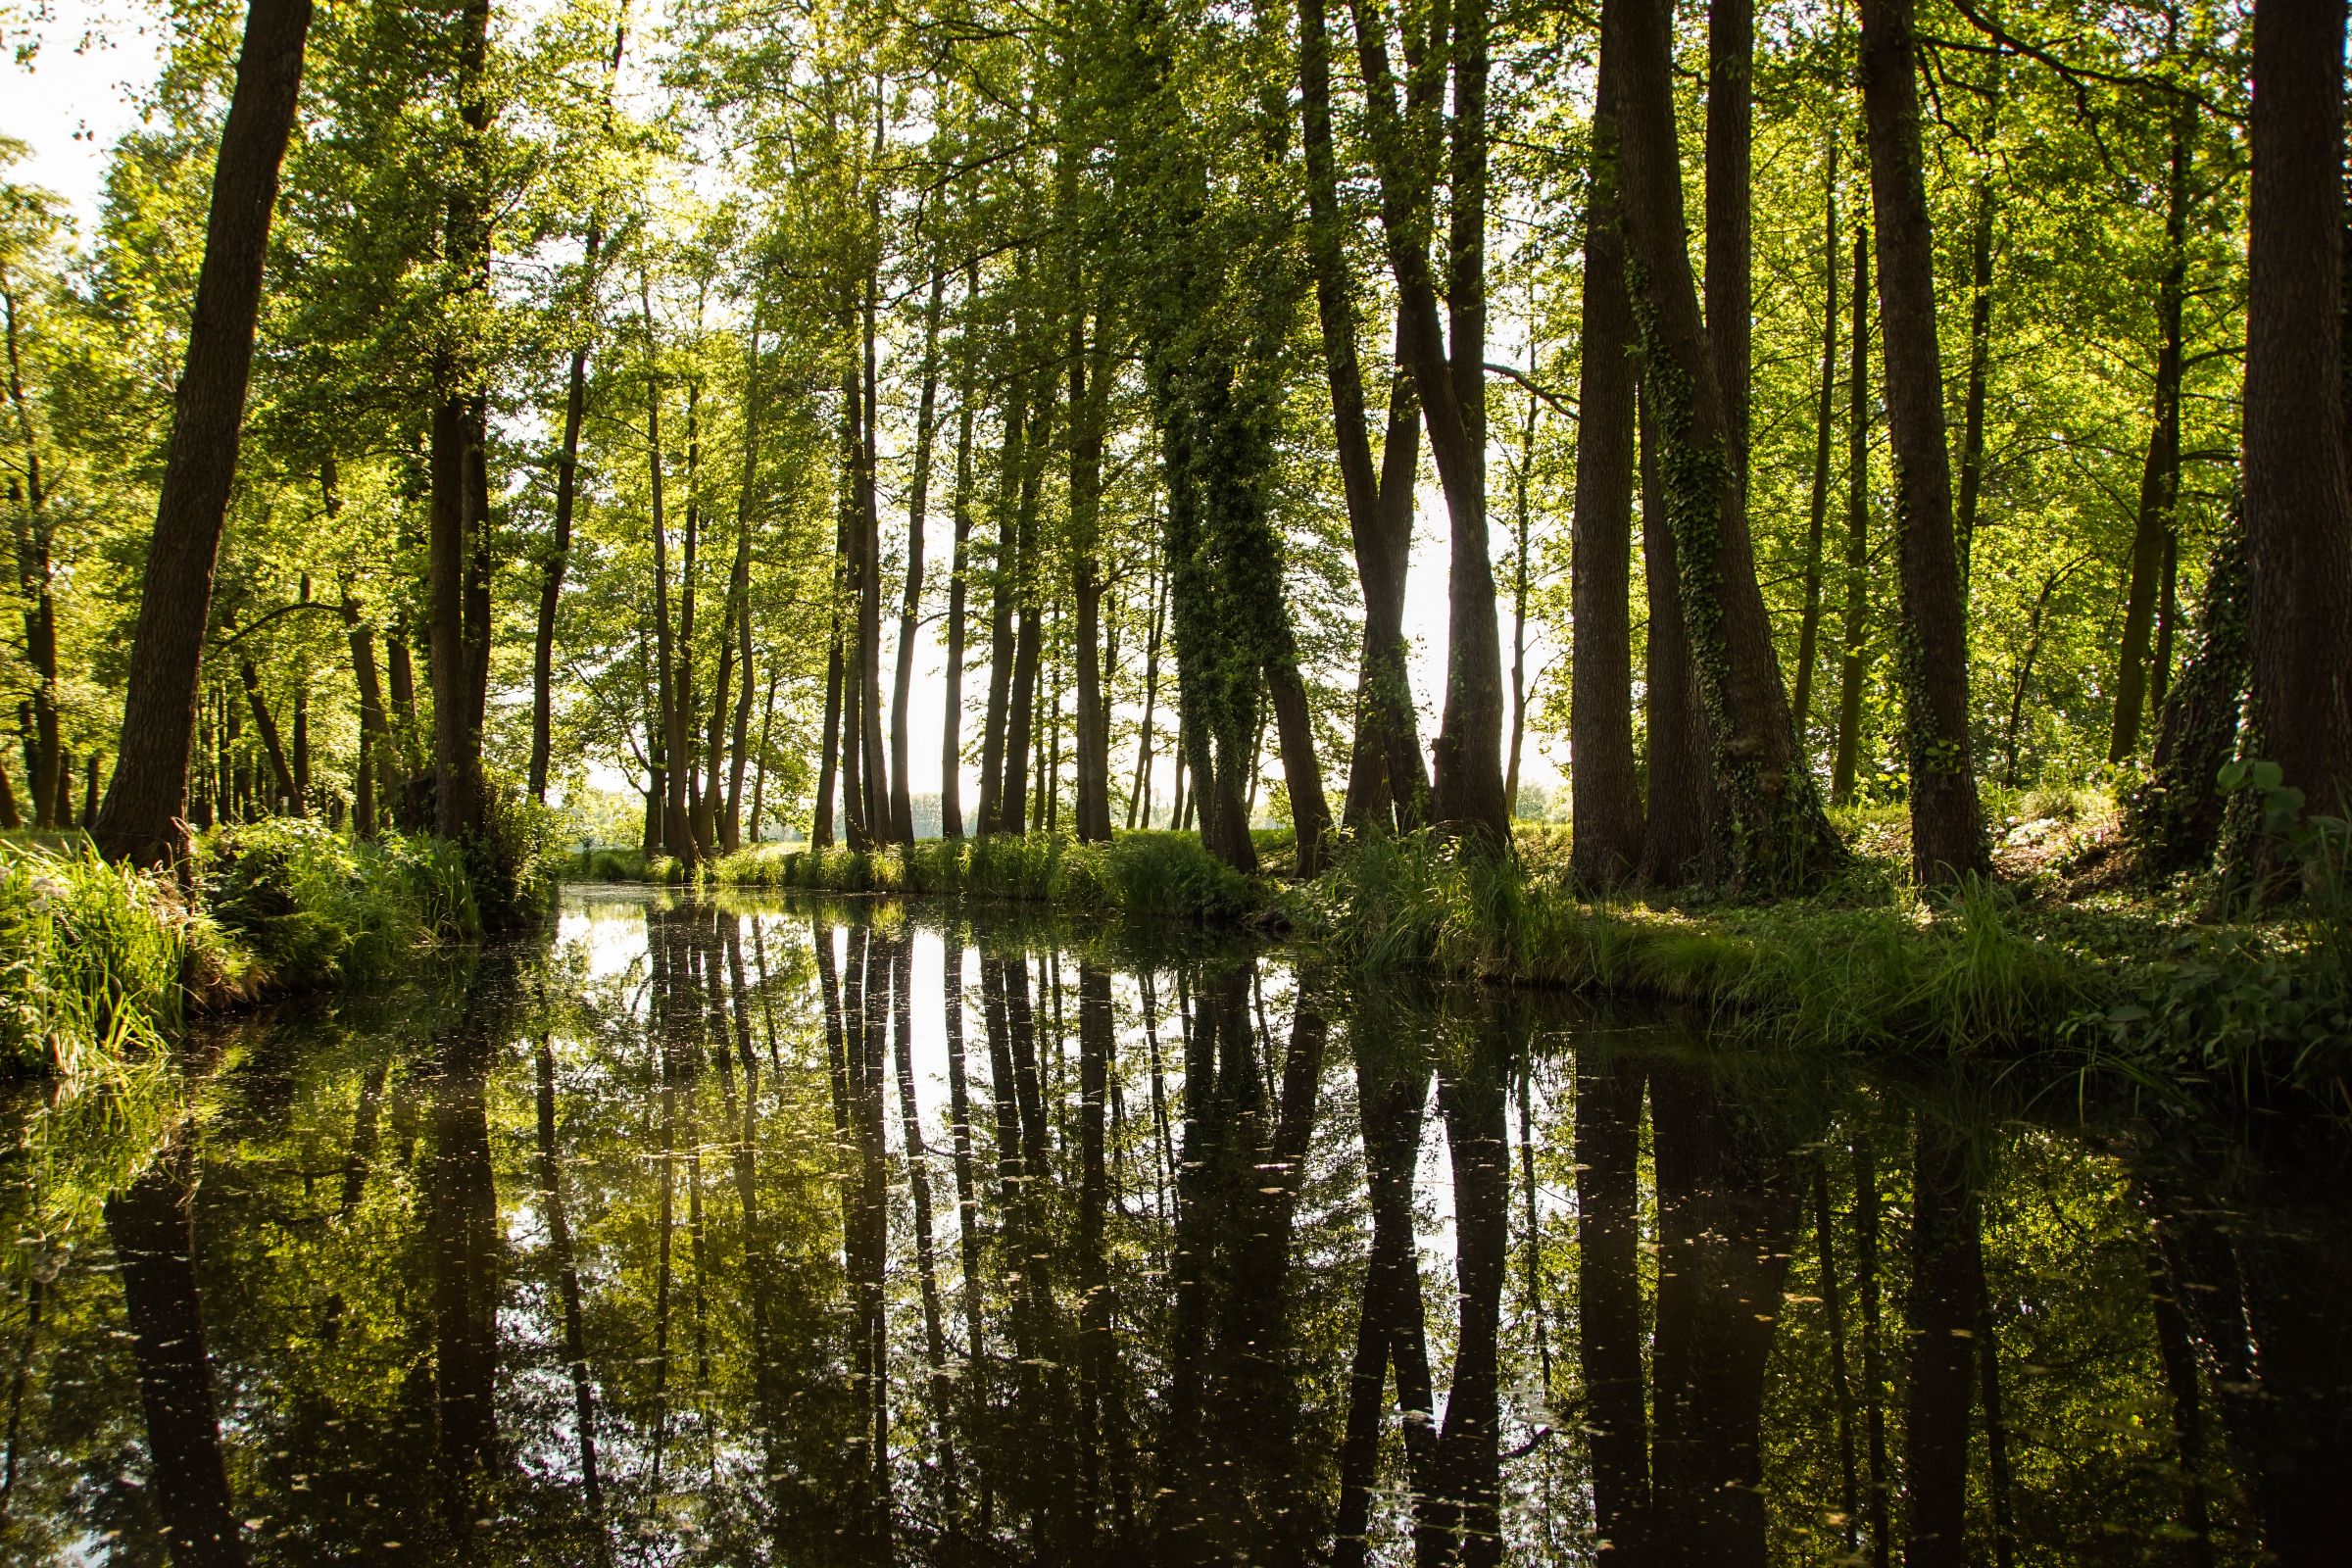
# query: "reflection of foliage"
{"points": [[1155, 1220]]}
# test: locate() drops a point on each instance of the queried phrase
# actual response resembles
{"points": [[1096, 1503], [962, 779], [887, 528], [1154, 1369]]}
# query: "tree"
{"points": [[1947, 826], [140, 820], [2298, 487]]}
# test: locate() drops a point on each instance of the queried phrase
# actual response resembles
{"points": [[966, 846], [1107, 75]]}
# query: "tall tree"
{"points": [[140, 820], [1769, 815], [1448, 356], [1948, 826], [2298, 487], [1603, 784]]}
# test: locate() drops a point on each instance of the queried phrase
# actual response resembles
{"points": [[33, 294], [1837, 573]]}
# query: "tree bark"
{"points": [[1948, 825], [1676, 846], [1604, 787], [1729, 259], [140, 820], [1768, 812], [677, 836], [1980, 375], [1013, 458], [289, 796], [2298, 492], [36, 575], [951, 745]]}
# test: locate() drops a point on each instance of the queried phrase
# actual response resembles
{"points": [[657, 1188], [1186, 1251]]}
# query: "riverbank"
{"points": [[100, 964], [2077, 968]]}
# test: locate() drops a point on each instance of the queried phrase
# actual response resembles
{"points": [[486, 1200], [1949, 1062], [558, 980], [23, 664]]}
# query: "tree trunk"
{"points": [[1768, 814], [1302, 774], [1675, 846], [1387, 780], [2298, 492], [2176, 817], [1139, 798], [1090, 381], [821, 820], [558, 545], [1013, 460], [36, 579], [139, 821], [1853, 663], [1808, 632], [1604, 788], [289, 796], [911, 604], [2153, 533], [951, 745], [1729, 259], [1948, 825], [373, 750], [678, 837], [1448, 366], [878, 824], [459, 575]]}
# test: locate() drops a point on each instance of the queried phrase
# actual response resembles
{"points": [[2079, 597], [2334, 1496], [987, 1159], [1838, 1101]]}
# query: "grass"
{"points": [[101, 964]]}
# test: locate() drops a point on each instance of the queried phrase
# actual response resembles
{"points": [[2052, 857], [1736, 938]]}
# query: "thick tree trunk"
{"points": [[1302, 774], [1768, 812], [1853, 660], [140, 820], [1730, 131], [1090, 391], [2176, 817], [1948, 825], [1020, 732], [457, 587], [1676, 846], [1604, 786], [2298, 490], [1808, 630]]}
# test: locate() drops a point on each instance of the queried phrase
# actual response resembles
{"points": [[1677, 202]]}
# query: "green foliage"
{"points": [[315, 907], [90, 962]]}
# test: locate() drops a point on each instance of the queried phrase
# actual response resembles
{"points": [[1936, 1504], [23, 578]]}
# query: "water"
{"points": [[778, 1232]]}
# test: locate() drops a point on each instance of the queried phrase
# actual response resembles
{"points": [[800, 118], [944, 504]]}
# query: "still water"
{"points": [[768, 1232]]}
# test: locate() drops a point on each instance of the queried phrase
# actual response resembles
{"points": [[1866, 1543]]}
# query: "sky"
{"points": [[77, 97]]}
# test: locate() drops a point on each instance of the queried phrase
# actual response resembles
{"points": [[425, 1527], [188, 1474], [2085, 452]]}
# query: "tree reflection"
{"points": [[1232, 1275]]}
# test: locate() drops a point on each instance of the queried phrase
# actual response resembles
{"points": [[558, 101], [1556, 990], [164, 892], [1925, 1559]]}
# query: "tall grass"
{"points": [[90, 962]]}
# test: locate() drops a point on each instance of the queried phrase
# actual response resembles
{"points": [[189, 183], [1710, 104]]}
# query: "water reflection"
{"points": [[747, 1233]]}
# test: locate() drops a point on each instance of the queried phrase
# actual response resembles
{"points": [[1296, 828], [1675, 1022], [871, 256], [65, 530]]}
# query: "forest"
{"points": [[710, 423], [1132, 780]]}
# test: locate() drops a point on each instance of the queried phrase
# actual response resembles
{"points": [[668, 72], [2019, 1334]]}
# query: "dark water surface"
{"points": [[758, 1233]]}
